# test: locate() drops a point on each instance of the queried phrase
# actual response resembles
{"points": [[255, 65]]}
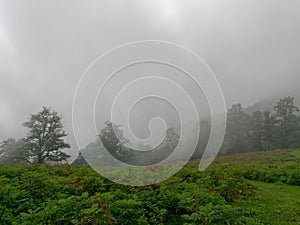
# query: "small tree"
{"points": [[80, 160], [45, 138], [172, 139], [257, 130], [269, 128], [113, 139], [285, 110], [286, 118], [12, 152], [237, 136]]}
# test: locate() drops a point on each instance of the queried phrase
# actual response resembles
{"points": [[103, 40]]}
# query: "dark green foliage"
{"points": [[45, 194], [288, 174], [221, 214], [262, 130], [82, 209], [79, 161], [62, 194]]}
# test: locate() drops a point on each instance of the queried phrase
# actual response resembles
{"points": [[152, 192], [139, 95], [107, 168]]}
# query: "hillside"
{"points": [[250, 188], [267, 104]]}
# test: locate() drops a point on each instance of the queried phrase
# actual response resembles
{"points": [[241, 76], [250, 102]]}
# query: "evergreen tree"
{"points": [[79, 161]]}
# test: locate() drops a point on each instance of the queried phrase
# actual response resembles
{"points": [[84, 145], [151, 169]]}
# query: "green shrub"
{"points": [[73, 210], [44, 194]]}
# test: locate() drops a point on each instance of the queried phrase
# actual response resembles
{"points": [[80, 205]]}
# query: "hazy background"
{"points": [[252, 46]]}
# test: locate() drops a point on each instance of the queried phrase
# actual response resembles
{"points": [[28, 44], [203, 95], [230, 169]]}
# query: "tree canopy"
{"points": [[44, 141], [263, 130], [45, 138]]}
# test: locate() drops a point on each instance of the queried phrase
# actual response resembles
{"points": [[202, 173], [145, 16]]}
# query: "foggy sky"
{"points": [[252, 46]]}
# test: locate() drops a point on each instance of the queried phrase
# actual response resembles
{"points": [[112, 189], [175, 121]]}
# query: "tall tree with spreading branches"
{"points": [[45, 138]]}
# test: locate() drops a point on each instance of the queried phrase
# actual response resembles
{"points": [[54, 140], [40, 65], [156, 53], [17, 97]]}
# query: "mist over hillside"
{"points": [[267, 103], [46, 46]]}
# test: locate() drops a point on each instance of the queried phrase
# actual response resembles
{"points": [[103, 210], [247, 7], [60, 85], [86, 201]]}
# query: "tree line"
{"points": [[267, 130], [259, 131]]}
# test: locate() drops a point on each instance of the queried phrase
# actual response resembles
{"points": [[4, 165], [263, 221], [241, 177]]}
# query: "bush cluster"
{"points": [[44, 194]]}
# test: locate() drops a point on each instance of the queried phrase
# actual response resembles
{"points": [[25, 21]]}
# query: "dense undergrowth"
{"points": [[44, 194]]}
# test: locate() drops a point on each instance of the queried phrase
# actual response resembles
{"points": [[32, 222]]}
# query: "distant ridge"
{"points": [[267, 104]]}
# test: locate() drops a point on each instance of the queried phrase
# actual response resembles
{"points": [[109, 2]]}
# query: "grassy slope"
{"points": [[278, 203]]}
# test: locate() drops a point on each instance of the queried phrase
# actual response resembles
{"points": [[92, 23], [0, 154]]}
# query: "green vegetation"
{"points": [[261, 131], [43, 143], [262, 187], [280, 203], [249, 188], [268, 130], [276, 178]]}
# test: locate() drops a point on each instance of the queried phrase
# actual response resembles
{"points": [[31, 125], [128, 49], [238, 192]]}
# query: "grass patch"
{"points": [[277, 203]]}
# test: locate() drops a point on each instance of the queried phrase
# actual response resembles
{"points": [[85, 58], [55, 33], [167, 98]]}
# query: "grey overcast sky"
{"points": [[252, 46]]}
